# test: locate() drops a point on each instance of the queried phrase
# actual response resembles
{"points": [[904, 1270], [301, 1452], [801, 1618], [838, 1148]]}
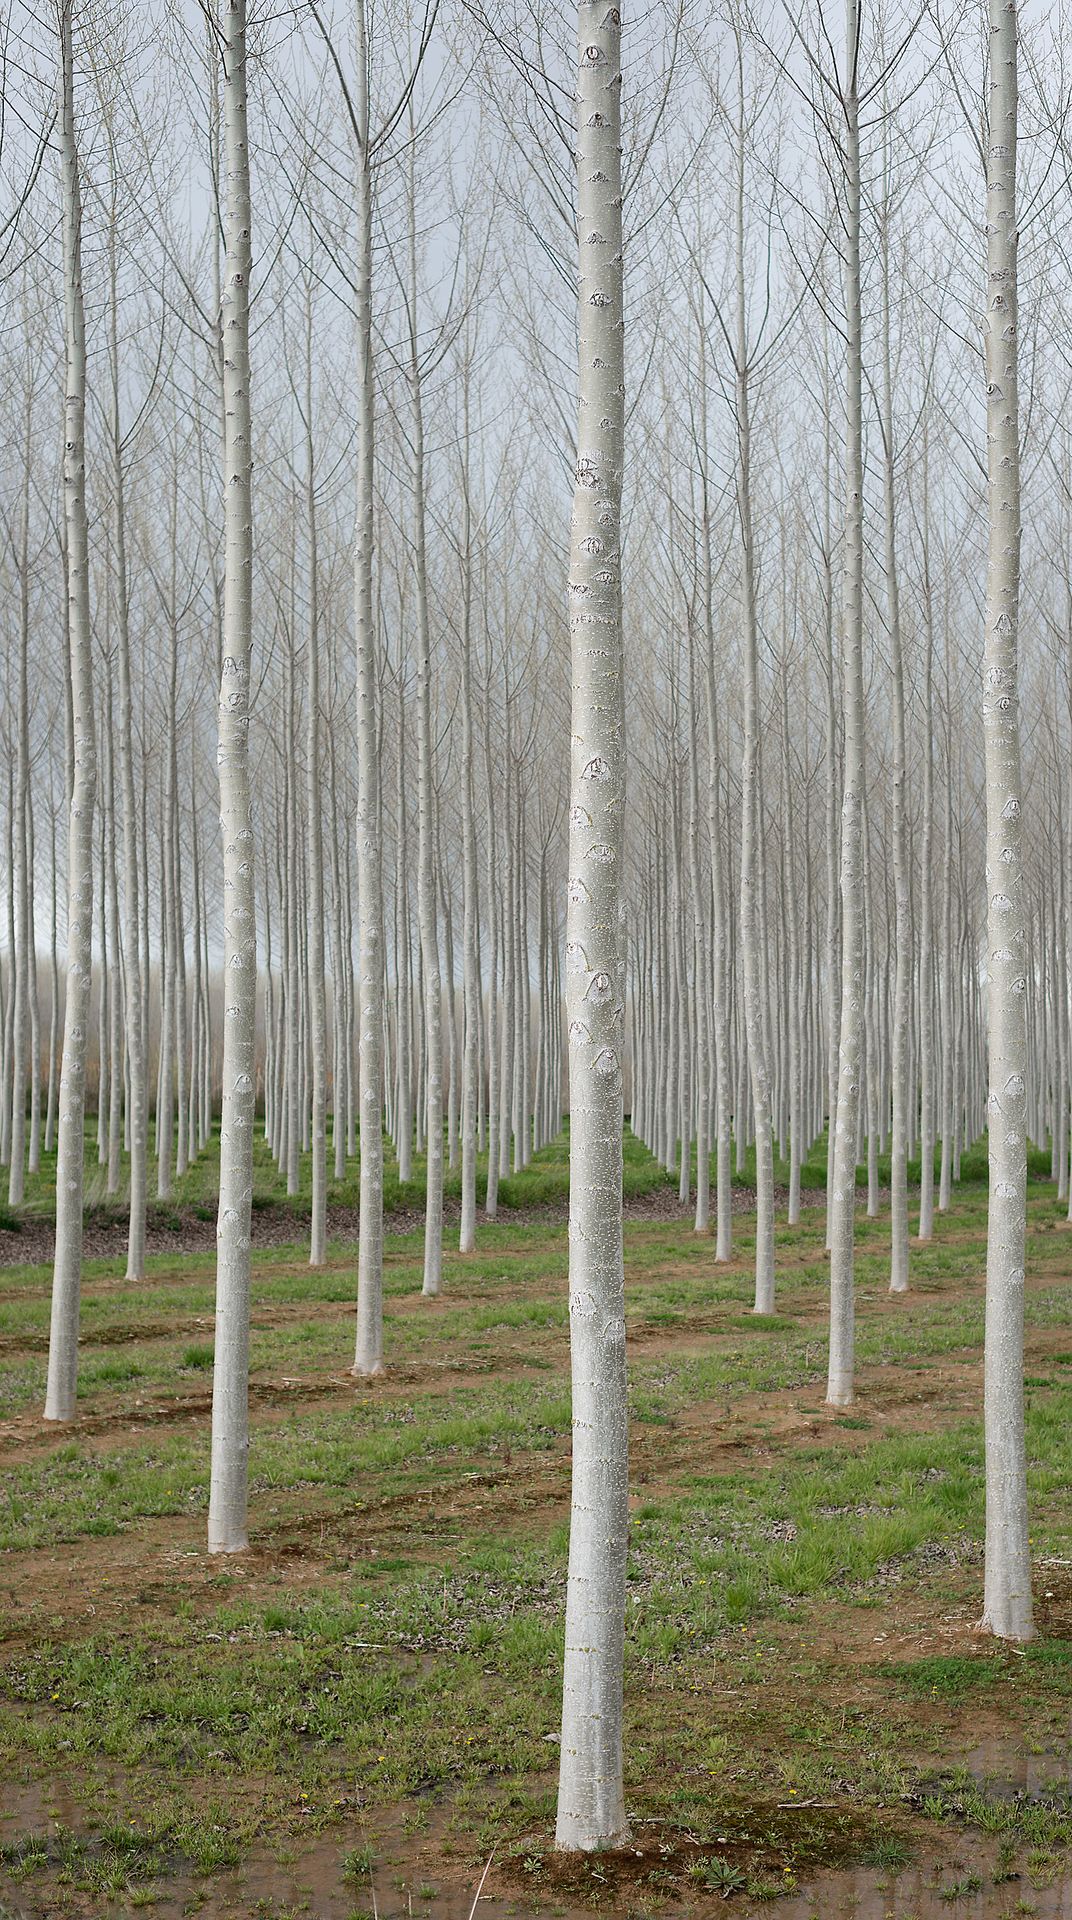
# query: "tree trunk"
{"points": [[591, 1805], [840, 1380], [230, 1382], [902, 933], [751, 865], [1007, 1590], [426, 887], [21, 956], [926, 921], [317, 985], [70, 1165]]}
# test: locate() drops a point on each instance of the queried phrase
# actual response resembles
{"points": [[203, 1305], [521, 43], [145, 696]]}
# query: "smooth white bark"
{"points": [[1007, 1607], [841, 1371], [227, 1518], [67, 1270], [368, 1350], [591, 1806]]}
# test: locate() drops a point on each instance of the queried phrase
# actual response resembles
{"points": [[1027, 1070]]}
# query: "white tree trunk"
{"points": [[792, 936], [470, 894], [403, 959], [33, 1153], [506, 1057], [110, 885], [699, 950], [720, 968], [751, 861], [840, 1380], [491, 1196], [67, 1271], [902, 933], [1007, 1591], [292, 993], [926, 920], [22, 955], [427, 906], [54, 988], [832, 940], [317, 984], [1068, 850], [591, 1805], [945, 997], [368, 1351], [230, 1382]]}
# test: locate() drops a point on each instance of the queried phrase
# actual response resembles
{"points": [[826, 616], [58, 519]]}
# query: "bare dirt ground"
{"points": [[185, 1231], [146, 1574]]}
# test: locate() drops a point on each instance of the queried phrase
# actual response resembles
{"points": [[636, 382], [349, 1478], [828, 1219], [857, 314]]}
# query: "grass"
{"points": [[544, 1182], [384, 1669]]}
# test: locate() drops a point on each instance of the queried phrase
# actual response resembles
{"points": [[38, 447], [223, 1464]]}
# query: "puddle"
{"points": [[1006, 1773], [918, 1893], [413, 1874]]}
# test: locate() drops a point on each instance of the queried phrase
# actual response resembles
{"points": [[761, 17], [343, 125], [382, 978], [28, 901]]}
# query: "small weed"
{"points": [[763, 1887], [887, 1852], [961, 1889], [24, 1856], [721, 1876], [357, 1864]]}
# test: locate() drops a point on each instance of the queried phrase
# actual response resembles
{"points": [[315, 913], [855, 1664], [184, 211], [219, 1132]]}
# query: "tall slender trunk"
{"points": [[523, 1001], [317, 985], [103, 968], [426, 887], [1007, 1589], [341, 1091], [292, 999], [751, 865], [169, 918], [491, 1196], [230, 1384], [67, 1271], [453, 1099], [945, 996], [699, 948], [832, 940], [792, 929], [1068, 847], [7, 996], [180, 1004], [926, 920], [721, 973], [902, 932], [22, 951], [403, 958], [591, 1805], [54, 988], [840, 1380], [507, 1065], [470, 895], [110, 884], [33, 1151]]}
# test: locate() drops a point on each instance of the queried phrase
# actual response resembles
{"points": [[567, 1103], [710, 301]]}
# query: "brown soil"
{"points": [[34, 1240], [119, 1577], [139, 1578]]}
